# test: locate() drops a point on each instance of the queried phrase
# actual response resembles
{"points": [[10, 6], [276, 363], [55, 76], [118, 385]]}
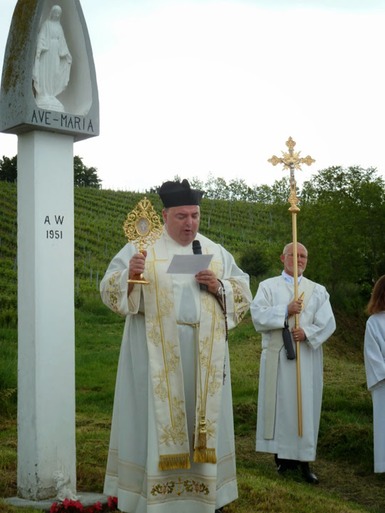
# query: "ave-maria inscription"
{"points": [[52, 120]]}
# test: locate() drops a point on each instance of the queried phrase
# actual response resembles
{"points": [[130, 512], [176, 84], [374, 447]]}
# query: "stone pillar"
{"points": [[48, 109], [46, 327]]}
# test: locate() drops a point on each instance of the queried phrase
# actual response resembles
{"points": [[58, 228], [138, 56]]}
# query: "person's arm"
{"points": [[116, 293], [266, 313], [322, 324], [374, 346], [234, 288]]}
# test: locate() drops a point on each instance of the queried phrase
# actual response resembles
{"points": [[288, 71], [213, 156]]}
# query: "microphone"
{"points": [[197, 250]]}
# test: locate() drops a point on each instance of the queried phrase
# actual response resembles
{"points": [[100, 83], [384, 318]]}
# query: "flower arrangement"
{"points": [[71, 506]]}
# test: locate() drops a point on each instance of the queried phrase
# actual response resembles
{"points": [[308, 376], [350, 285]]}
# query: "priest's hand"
{"points": [[298, 334], [208, 278], [136, 265], [295, 307]]}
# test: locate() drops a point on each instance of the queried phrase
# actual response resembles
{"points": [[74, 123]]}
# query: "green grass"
{"points": [[345, 456]]}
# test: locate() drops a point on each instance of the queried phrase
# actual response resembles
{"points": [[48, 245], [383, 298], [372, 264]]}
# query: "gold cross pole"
{"points": [[292, 160]]}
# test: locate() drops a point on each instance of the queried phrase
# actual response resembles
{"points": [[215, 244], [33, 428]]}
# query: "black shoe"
{"points": [[283, 465], [309, 476]]}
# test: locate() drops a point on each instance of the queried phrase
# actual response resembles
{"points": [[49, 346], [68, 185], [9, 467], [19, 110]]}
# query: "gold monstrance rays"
{"points": [[292, 160], [142, 227]]}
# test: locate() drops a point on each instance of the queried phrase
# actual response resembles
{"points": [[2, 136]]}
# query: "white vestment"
{"points": [[374, 355], [133, 473], [268, 311]]}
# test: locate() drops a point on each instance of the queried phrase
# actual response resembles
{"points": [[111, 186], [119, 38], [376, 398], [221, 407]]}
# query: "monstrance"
{"points": [[142, 227]]}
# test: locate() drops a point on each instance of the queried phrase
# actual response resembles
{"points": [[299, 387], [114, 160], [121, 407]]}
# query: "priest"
{"points": [[172, 438]]}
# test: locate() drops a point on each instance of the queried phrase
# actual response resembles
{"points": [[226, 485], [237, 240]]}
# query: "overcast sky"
{"points": [[192, 87]]}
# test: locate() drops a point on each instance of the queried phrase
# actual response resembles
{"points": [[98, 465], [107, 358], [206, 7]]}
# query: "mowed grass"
{"points": [[345, 454]]}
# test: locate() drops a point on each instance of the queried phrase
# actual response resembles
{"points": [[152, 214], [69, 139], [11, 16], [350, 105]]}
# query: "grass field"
{"points": [[345, 459]]}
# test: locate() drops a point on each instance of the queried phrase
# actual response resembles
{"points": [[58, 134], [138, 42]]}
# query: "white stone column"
{"points": [[46, 367], [46, 133]]}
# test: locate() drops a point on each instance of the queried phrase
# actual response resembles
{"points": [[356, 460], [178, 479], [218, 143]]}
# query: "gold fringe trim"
{"points": [[202, 434], [174, 461], [202, 440], [204, 455]]}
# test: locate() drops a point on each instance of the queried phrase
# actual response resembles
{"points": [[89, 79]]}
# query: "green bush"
{"points": [[253, 261]]}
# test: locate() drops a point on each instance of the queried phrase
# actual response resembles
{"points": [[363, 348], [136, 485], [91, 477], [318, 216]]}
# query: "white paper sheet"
{"points": [[189, 264]]}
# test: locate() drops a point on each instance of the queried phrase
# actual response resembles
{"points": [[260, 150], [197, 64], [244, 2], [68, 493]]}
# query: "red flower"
{"points": [[70, 506], [54, 508], [112, 503]]}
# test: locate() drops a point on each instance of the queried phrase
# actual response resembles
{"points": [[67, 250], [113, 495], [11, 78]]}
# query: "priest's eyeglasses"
{"points": [[299, 255]]}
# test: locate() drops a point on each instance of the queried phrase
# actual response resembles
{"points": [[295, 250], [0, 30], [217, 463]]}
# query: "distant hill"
{"points": [[99, 218]]}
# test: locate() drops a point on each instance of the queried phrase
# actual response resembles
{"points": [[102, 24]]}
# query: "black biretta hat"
{"points": [[177, 194]]}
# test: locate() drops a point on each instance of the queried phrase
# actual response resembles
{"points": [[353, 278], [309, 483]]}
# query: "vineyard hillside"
{"points": [[99, 218]]}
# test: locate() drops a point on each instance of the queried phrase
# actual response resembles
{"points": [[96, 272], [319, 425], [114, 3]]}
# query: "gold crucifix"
{"points": [[292, 160]]}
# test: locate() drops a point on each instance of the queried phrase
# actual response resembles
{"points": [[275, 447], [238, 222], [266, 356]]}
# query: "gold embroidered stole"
{"points": [[271, 368], [166, 368]]}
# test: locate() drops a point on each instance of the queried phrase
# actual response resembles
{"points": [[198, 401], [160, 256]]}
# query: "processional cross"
{"points": [[292, 160]]}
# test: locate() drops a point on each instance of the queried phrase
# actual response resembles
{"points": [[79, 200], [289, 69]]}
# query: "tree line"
{"points": [[341, 222], [83, 176], [235, 190]]}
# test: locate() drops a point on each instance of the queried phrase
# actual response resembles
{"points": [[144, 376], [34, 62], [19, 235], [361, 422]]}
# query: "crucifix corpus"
{"points": [[291, 160]]}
